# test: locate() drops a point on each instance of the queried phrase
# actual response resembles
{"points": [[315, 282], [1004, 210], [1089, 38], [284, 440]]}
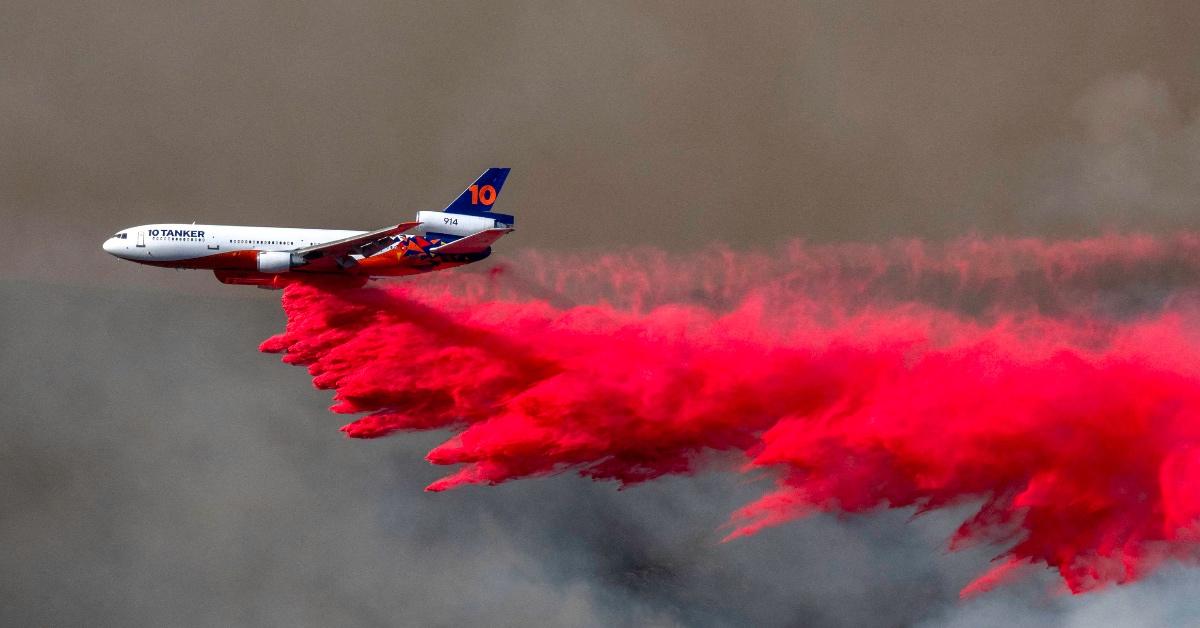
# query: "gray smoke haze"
{"points": [[158, 471]]}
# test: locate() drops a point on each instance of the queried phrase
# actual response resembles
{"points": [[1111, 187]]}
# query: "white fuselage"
{"points": [[178, 242]]}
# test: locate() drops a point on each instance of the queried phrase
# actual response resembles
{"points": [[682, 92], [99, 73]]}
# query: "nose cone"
{"points": [[111, 246]]}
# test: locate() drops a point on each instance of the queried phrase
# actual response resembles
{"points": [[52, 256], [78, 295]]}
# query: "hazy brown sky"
{"points": [[673, 123], [155, 470]]}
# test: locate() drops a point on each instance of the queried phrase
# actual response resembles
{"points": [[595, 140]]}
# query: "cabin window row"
{"points": [[260, 242]]}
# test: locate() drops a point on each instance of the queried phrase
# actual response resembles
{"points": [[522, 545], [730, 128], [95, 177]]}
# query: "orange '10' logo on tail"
{"points": [[482, 194]]}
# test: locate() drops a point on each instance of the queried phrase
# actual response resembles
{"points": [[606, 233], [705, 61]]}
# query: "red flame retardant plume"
{"points": [[1076, 429]]}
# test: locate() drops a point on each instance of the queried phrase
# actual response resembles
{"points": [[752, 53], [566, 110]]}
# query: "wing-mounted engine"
{"points": [[274, 261]]}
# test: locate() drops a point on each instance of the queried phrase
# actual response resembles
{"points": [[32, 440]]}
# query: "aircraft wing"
{"points": [[365, 244], [475, 243]]}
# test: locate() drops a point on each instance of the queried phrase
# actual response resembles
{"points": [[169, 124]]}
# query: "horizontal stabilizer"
{"points": [[474, 243]]}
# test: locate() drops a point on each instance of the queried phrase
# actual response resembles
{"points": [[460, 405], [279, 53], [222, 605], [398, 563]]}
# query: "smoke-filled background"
{"points": [[157, 470]]}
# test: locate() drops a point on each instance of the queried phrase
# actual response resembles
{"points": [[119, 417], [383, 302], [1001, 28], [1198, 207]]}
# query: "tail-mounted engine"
{"points": [[461, 225]]}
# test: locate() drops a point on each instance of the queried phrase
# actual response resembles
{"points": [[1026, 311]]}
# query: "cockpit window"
{"points": [[121, 236]]}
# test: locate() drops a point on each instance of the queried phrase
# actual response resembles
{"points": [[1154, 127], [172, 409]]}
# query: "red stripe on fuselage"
{"points": [[231, 260], [390, 264]]}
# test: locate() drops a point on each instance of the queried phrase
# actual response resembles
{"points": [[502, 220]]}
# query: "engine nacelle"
{"points": [[454, 224], [274, 261]]}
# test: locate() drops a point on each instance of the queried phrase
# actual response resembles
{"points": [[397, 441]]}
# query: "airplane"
{"points": [[273, 257]]}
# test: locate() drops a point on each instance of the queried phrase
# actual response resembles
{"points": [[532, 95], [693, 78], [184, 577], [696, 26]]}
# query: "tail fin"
{"points": [[477, 200]]}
